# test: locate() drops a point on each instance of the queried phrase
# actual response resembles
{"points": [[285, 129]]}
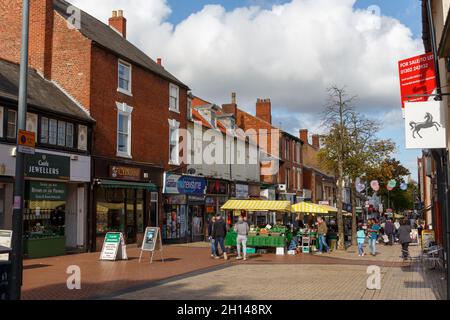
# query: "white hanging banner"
{"points": [[425, 125]]}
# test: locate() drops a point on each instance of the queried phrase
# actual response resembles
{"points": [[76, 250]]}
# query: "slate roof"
{"points": [[108, 38], [42, 94]]}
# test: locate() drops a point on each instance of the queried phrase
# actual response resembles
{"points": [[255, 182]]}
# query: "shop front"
{"points": [[184, 208], [125, 199], [7, 167], [55, 203], [217, 194]]}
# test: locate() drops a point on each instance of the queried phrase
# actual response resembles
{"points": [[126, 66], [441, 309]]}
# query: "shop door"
{"points": [[130, 216], [196, 223]]}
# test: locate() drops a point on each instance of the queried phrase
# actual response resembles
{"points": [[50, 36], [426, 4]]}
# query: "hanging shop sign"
{"points": [[268, 194], [5, 241], [114, 247], [177, 184], [217, 187], [241, 191], [425, 125], [47, 166], [152, 241], [125, 173], [47, 191], [417, 76]]}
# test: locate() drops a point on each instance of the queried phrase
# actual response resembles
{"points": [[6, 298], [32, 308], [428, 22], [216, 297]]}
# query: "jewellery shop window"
{"points": [[110, 210], [44, 214]]}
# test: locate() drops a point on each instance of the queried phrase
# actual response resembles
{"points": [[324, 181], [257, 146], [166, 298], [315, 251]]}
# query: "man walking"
{"points": [[322, 231], [241, 228], [214, 251], [405, 238], [389, 231], [218, 234]]}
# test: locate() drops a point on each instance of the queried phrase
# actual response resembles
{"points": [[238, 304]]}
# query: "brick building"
{"points": [[281, 150], [137, 103], [318, 184]]}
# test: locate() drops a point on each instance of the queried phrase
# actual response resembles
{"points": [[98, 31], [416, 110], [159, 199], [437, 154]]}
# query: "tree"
{"points": [[337, 118]]}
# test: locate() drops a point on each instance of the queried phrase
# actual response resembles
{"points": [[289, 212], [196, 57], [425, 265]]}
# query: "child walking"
{"points": [[361, 237]]}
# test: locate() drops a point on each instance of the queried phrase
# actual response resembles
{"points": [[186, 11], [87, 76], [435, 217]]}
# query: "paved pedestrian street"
{"points": [[189, 273]]}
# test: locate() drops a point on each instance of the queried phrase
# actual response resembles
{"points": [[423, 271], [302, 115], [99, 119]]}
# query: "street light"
{"points": [[15, 281]]}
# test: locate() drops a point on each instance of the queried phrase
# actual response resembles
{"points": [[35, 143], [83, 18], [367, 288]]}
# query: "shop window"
{"points": [[124, 78], [82, 137], [174, 98], [12, 124], [44, 130], [56, 132], [1, 122], [124, 130], [110, 210]]}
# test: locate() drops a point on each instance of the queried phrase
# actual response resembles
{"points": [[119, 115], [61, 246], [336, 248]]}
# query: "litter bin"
{"points": [[5, 267]]}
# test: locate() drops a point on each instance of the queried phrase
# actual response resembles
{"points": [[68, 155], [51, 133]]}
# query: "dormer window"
{"points": [[124, 71]]}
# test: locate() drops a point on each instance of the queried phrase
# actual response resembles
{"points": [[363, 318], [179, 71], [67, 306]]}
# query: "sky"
{"points": [[290, 51]]}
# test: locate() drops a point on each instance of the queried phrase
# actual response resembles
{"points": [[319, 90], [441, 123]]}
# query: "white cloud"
{"points": [[289, 52]]}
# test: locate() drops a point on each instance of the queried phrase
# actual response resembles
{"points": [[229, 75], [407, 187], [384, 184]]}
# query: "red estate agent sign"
{"points": [[417, 76]]}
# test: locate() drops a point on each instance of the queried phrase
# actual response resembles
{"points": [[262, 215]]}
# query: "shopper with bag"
{"points": [[404, 236], [241, 228]]}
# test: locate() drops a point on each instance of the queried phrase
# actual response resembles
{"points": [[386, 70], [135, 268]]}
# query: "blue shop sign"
{"points": [[177, 184]]}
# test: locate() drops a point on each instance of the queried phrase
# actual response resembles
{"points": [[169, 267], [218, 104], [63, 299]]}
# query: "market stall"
{"points": [[268, 236]]}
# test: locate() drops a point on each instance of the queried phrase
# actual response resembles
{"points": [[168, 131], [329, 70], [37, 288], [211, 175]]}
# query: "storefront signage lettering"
{"points": [[217, 187], [47, 166], [47, 191], [125, 173], [176, 184]]}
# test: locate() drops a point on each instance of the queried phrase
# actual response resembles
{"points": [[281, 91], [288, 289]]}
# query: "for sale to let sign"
{"points": [[417, 76]]}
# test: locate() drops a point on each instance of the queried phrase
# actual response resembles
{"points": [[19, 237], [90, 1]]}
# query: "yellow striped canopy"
{"points": [[306, 207], [257, 205], [329, 208]]}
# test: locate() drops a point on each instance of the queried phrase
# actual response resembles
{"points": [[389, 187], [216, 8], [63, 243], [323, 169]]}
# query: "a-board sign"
{"points": [[427, 238], [114, 247], [5, 241], [152, 241]]}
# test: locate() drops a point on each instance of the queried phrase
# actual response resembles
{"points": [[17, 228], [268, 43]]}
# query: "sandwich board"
{"points": [[152, 241], [114, 247], [5, 241], [427, 238]]}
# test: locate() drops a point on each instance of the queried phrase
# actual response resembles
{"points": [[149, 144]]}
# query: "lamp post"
{"points": [[15, 281]]}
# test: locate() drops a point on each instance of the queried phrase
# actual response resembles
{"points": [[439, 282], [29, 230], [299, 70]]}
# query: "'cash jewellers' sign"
{"points": [[47, 166]]}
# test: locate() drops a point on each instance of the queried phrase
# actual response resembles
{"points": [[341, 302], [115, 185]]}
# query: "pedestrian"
{"points": [[214, 251], [374, 230], [322, 231], [404, 235], [241, 228], [361, 238], [389, 231], [397, 226], [219, 232]]}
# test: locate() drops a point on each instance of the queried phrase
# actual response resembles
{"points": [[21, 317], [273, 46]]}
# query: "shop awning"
{"points": [[329, 208], [114, 184], [306, 207], [257, 205]]}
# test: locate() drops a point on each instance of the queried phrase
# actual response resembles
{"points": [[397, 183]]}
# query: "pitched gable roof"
{"points": [[106, 37], [42, 94]]}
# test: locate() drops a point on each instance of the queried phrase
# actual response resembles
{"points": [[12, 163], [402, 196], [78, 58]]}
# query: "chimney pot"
{"points": [[233, 97], [159, 61], [114, 14], [120, 13]]}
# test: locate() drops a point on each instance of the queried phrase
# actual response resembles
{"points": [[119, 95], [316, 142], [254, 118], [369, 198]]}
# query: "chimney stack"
{"points": [[233, 97], [231, 108], [304, 135], [159, 61], [264, 110], [118, 22], [316, 141]]}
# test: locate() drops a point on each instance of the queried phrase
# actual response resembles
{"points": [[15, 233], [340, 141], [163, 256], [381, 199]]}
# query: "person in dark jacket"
{"points": [[214, 251], [389, 231], [219, 232], [404, 237]]}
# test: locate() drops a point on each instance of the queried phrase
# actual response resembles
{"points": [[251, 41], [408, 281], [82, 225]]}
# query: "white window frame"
{"points": [[15, 124], [119, 89], [189, 108], [124, 110], [2, 112], [173, 86], [174, 125]]}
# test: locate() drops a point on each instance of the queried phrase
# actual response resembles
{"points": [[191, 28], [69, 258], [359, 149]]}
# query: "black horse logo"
{"points": [[428, 123]]}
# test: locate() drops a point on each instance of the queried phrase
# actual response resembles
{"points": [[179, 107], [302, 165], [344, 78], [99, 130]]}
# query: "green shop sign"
{"points": [[47, 166], [47, 191], [112, 237]]}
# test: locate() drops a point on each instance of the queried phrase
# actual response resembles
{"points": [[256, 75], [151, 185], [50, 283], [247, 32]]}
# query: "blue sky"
{"points": [[407, 11]]}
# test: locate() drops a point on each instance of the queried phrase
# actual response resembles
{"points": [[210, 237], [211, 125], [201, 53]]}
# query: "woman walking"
{"points": [[404, 236], [211, 239]]}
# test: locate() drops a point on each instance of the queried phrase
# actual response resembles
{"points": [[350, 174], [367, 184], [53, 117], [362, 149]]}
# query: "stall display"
{"points": [[276, 236]]}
